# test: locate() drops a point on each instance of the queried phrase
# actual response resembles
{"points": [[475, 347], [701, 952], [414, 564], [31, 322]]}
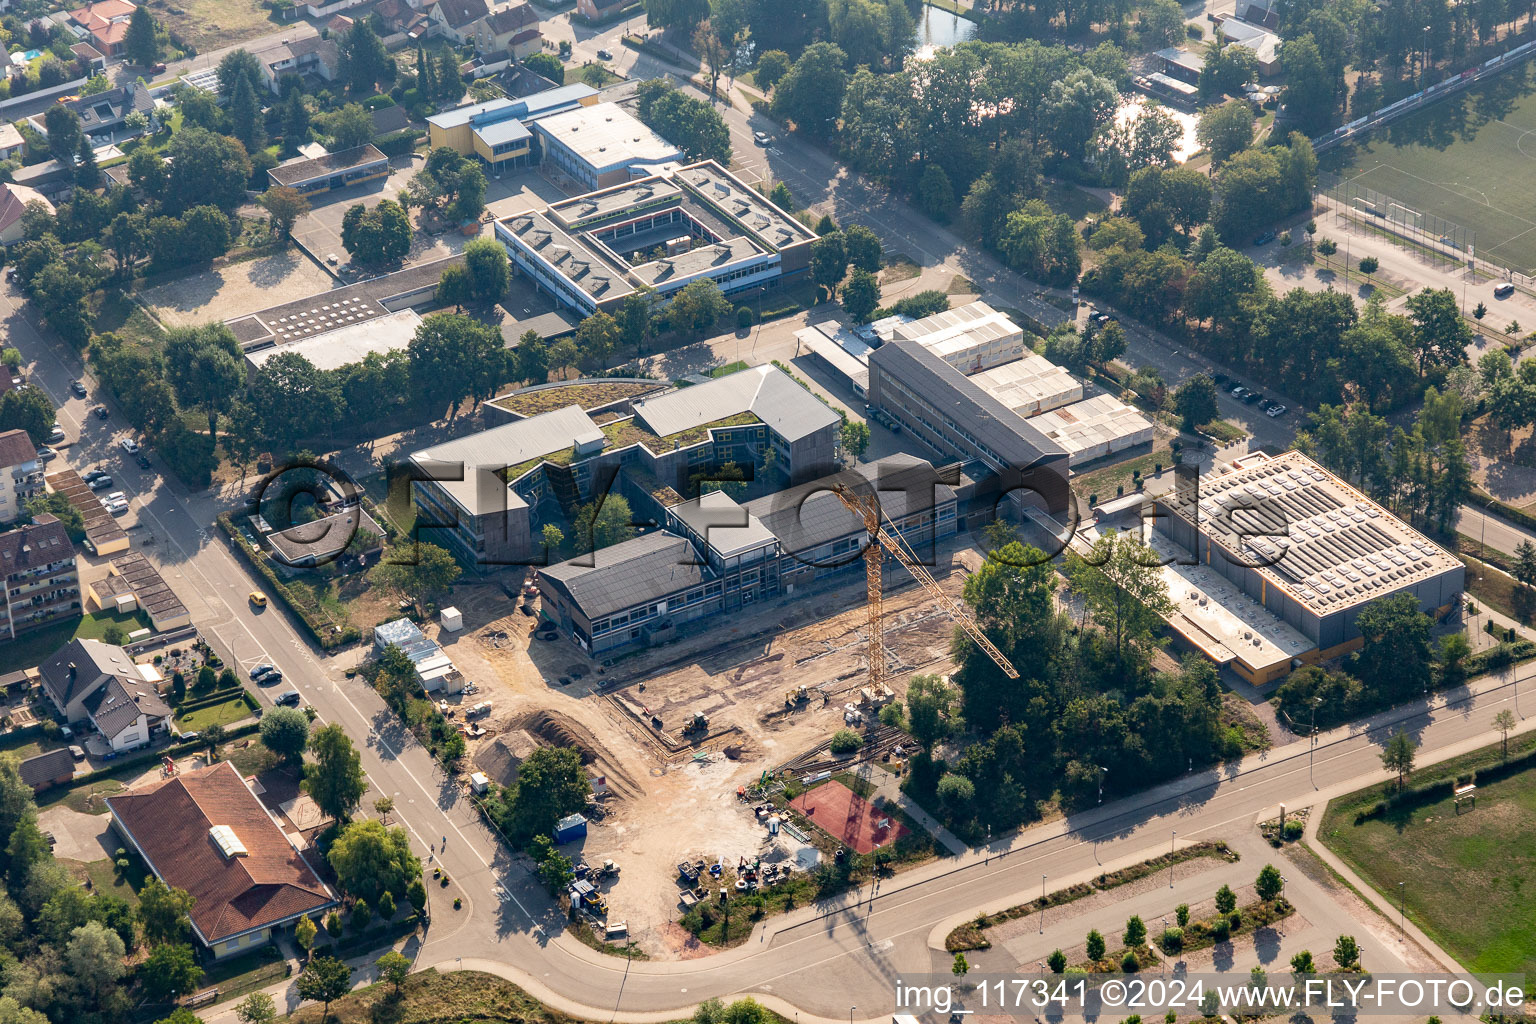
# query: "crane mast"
{"points": [[867, 507]]}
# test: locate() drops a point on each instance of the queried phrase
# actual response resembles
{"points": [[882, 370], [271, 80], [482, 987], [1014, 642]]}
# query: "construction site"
{"points": [[673, 736]]}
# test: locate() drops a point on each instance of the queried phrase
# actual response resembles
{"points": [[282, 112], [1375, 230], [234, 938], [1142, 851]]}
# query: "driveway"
{"points": [[76, 836]]}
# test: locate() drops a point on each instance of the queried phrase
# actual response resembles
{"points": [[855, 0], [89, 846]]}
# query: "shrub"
{"points": [[845, 741], [1181, 913], [1129, 963], [1172, 940], [1235, 919], [1293, 829], [1057, 962], [1221, 930], [743, 317]]}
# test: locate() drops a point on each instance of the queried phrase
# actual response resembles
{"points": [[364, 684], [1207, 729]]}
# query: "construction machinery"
{"points": [[867, 507], [799, 695], [697, 723]]}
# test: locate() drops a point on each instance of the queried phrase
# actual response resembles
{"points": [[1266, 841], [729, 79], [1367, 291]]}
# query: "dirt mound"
{"points": [[559, 731]]}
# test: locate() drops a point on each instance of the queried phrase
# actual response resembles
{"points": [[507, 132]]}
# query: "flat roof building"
{"points": [[1306, 546], [1030, 385], [687, 224], [485, 488], [497, 131], [332, 171], [970, 338], [958, 420], [842, 350], [1095, 427], [332, 348], [603, 145]]}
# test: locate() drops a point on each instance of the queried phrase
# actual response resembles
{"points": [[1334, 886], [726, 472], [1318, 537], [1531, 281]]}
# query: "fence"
{"points": [[1443, 243], [1424, 97]]}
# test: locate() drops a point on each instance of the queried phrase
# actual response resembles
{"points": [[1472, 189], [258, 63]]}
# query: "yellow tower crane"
{"points": [[867, 507]]}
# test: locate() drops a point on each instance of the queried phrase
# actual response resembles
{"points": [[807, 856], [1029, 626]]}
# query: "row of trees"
{"points": [[692, 125]]}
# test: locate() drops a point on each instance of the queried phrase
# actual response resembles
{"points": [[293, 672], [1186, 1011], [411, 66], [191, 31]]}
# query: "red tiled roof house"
{"points": [[206, 832]]}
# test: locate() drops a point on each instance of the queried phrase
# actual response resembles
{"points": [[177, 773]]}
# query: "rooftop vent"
{"points": [[228, 843]]}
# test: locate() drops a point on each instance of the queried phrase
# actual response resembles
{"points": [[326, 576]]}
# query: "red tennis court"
{"points": [[848, 817]]}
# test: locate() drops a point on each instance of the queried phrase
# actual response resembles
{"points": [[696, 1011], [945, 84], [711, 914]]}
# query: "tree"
{"points": [[1302, 963], [55, 503], [376, 236], [861, 296], [489, 270], [235, 65], [1397, 756], [206, 369], [141, 45], [1225, 129], [1440, 334], [714, 51], [596, 337], [551, 784], [1135, 932], [962, 966], [1161, 24], [1369, 265], [87, 174], [547, 65], [931, 709], [245, 115], [453, 358], [334, 780], [829, 261], [1395, 657], [1269, 884], [1346, 952], [65, 135], [284, 207], [532, 358], [1227, 67], [862, 247], [304, 933], [258, 1007], [393, 968], [1123, 588], [697, 306], [1077, 107], [364, 61], [553, 868], [450, 183], [163, 912], [295, 121], [553, 537], [430, 570], [206, 168], [148, 173], [1504, 721], [170, 972], [1095, 946], [603, 523], [454, 287], [94, 958], [27, 409], [416, 892], [855, 438], [811, 93], [1309, 88], [772, 66], [370, 859], [781, 197], [1226, 900], [1195, 402], [693, 125], [325, 978], [285, 732], [347, 128], [936, 192]]}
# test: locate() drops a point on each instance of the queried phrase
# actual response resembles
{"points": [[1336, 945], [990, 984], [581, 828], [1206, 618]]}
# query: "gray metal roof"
{"points": [[809, 515], [765, 391], [635, 572], [1008, 436], [510, 130], [727, 527], [485, 454]]}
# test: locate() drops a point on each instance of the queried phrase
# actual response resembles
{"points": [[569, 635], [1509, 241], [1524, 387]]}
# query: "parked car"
{"points": [[288, 696], [257, 598], [99, 483], [1275, 410], [262, 670], [117, 508], [1265, 238], [1251, 397], [1237, 386], [143, 461], [47, 454], [102, 412], [77, 388], [271, 678], [1503, 290], [604, 55], [1239, 393], [761, 138], [77, 752], [56, 434], [129, 445]]}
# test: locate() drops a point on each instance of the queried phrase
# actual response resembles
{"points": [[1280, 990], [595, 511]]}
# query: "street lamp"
{"points": [[1402, 914], [1171, 840], [1311, 745], [850, 1013], [1042, 904], [1424, 64], [1102, 772]]}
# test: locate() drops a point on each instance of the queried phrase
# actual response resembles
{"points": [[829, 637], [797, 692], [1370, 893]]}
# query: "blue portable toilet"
{"points": [[569, 829]]}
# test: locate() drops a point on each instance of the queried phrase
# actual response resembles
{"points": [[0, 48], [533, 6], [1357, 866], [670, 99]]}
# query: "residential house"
{"points": [[102, 116], [305, 56], [105, 24], [11, 142], [21, 474], [89, 58], [41, 584], [457, 19], [600, 10], [510, 31], [54, 768], [401, 19], [13, 204], [97, 683], [205, 831]]}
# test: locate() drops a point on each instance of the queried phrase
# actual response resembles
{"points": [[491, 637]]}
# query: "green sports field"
{"points": [[1469, 159]]}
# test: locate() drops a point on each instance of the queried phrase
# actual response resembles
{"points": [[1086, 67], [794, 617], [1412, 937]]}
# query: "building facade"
{"points": [[41, 584], [21, 474]]}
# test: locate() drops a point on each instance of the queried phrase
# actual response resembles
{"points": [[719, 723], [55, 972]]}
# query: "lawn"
{"points": [[1463, 159], [210, 23], [104, 876], [225, 714], [429, 997], [1482, 858], [31, 648]]}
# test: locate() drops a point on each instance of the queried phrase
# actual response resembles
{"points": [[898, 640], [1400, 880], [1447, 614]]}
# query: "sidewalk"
{"points": [[889, 787]]}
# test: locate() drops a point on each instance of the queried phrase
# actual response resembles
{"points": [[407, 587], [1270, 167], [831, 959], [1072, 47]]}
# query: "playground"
{"points": [[1466, 160], [849, 818]]}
